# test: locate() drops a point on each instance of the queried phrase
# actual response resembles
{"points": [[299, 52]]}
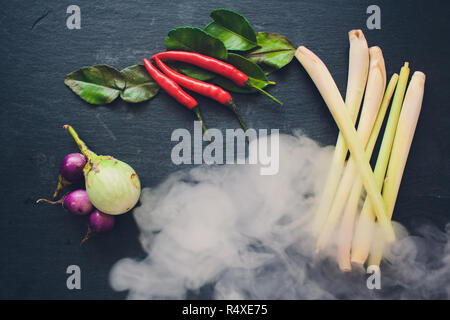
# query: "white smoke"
{"points": [[246, 236]]}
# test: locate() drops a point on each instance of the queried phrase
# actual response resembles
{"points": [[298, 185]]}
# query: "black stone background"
{"points": [[37, 51]]}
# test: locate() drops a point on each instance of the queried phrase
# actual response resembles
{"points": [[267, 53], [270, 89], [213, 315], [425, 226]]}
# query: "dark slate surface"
{"points": [[37, 51]]}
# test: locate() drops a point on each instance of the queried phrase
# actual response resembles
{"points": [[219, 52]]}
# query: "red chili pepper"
{"points": [[205, 62], [170, 86], [174, 90], [224, 69], [206, 89]]}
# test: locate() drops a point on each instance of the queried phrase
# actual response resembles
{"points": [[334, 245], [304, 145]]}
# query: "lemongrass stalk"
{"points": [[332, 97], [400, 149], [356, 82], [364, 228], [345, 233], [376, 85]]}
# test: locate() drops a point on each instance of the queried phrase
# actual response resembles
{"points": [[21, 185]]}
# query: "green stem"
{"points": [[267, 94], [244, 127], [83, 148], [199, 117], [230, 103], [62, 183], [88, 235], [60, 201]]}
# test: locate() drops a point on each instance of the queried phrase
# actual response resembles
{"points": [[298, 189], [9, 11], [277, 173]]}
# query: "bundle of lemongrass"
{"points": [[364, 233]]}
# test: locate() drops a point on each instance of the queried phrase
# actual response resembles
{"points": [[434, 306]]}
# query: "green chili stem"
{"points": [[244, 127], [233, 107], [199, 117]]}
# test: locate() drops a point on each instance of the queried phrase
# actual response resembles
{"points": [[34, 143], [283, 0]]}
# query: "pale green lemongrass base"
{"points": [[345, 233], [363, 232], [404, 134], [356, 83], [373, 99], [332, 97]]}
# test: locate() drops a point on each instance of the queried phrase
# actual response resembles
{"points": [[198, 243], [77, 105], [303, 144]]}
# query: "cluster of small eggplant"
{"points": [[77, 202]]}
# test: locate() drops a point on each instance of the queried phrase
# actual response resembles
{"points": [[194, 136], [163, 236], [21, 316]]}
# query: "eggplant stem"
{"points": [[88, 235], [60, 201], [83, 148], [62, 183]]}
